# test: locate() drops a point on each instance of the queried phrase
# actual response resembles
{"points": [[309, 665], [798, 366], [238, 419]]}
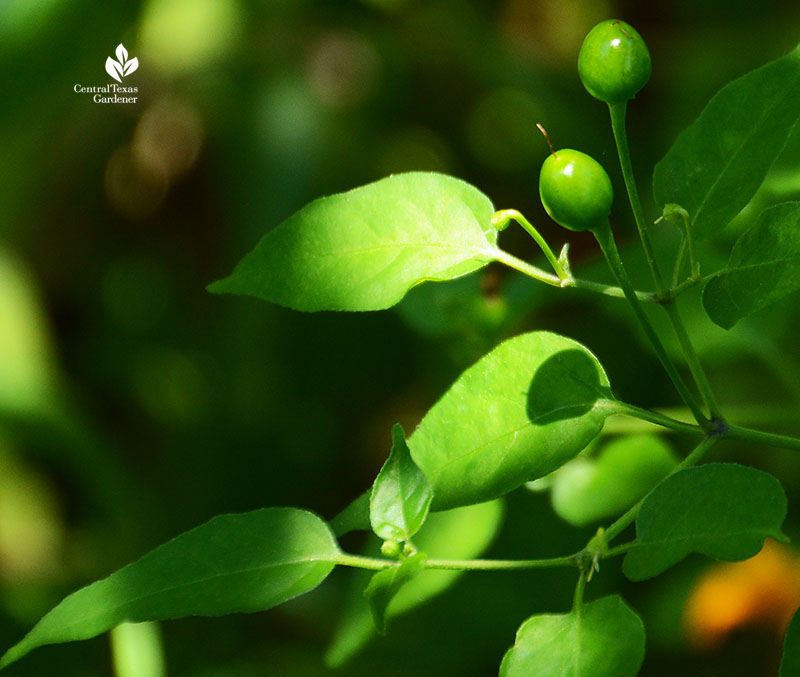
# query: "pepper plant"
{"points": [[526, 410]]}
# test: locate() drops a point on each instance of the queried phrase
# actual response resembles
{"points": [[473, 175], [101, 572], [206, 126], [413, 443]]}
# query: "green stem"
{"points": [[654, 417], [751, 414], [542, 276], [692, 459], [617, 111], [620, 549], [621, 138], [501, 219], [500, 564], [770, 439], [374, 563], [692, 359], [580, 586], [360, 562], [676, 273], [606, 240], [524, 267], [694, 265]]}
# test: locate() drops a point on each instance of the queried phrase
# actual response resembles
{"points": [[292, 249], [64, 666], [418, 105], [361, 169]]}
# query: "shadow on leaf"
{"points": [[566, 385]]}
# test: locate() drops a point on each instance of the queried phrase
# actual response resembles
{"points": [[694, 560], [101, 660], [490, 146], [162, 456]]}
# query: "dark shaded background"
{"points": [[135, 405]]}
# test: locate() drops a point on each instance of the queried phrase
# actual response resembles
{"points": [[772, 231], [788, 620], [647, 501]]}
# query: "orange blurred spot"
{"points": [[763, 590]]}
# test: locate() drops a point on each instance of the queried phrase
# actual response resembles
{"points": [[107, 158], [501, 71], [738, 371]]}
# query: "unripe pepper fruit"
{"points": [[575, 190], [614, 62]]}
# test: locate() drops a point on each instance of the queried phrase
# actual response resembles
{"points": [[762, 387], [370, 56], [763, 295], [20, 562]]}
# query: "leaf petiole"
{"points": [[626, 409], [376, 564], [548, 278], [770, 439], [501, 219]]}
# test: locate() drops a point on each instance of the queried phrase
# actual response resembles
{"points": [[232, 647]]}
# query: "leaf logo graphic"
{"points": [[121, 67]]}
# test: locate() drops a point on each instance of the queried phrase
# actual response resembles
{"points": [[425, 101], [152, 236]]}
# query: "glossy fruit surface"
{"points": [[614, 62], [575, 190]]}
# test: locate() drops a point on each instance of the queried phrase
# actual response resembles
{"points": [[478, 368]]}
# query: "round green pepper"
{"points": [[614, 63], [575, 190]]}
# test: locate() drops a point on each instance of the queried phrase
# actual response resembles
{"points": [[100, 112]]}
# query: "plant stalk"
{"points": [[770, 439], [542, 276], [654, 417], [617, 112], [376, 564], [605, 239]]}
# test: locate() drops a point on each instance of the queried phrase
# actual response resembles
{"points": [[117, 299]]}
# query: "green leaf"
{"points": [[364, 249], [233, 563], [522, 411], [717, 164], [355, 517], [764, 266], [587, 490], [401, 494], [387, 583], [463, 533], [604, 638], [790, 664], [721, 510]]}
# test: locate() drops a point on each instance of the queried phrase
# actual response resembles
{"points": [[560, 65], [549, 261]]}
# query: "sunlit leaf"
{"points": [[764, 267], [364, 249], [233, 563], [401, 494], [604, 638], [521, 412], [721, 510], [717, 164]]}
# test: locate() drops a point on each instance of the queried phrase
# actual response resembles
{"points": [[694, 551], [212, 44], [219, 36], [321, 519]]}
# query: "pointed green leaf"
{"points": [[604, 638], [717, 164], [387, 583], [401, 494], [721, 510], [764, 267], [522, 411], [233, 563], [364, 249], [587, 490], [463, 533], [790, 663]]}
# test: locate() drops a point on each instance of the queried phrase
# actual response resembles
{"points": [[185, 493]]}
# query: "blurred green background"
{"points": [[135, 405]]}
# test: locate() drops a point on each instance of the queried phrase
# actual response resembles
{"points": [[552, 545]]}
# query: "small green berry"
{"points": [[390, 549], [575, 190], [614, 63]]}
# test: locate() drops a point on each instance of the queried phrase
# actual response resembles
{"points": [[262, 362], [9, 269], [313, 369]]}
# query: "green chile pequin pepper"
{"points": [[575, 190], [614, 63]]}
